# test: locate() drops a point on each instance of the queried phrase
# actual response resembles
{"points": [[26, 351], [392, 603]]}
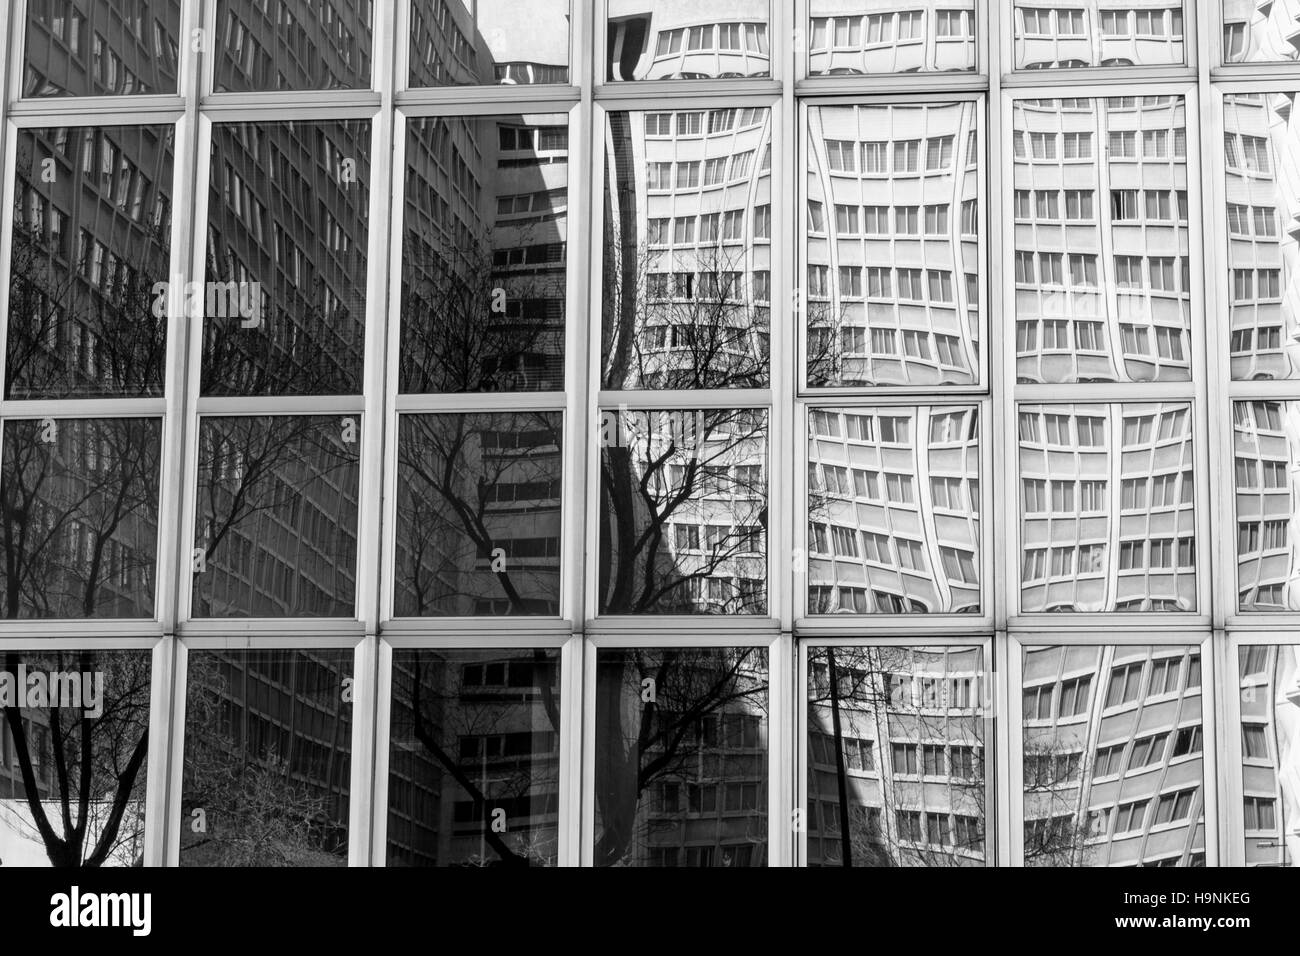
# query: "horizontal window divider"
{"points": [[1048, 394], [1267, 635], [920, 639], [1274, 624], [949, 394], [459, 100], [1279, 389], [1097, 81], [685, 398], [470, 402], [73, 633], [83, 408], [898, 87], [867, 625], [307, 107], [684, 630], [1256, 77], [440, 627], [259, 630], [1108, 627], [662, 94], [282, 405], [97, 110], [458, 638], [286, 640]]}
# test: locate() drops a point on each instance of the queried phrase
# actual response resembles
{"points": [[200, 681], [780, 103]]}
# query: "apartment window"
{"points": [[1258, 814]]}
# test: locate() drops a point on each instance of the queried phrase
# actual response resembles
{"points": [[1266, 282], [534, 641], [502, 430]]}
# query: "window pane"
{"points": [[293, 45], [1127, 526], [1268, 676], [268, 758], [276, 524], [478, 514], [1265, 458], [906, 309], [458, 43], [672, 41], [891, 489], [485, 254], [111, 47], [286, 259], [1107, 287], [684, 512], [1051, 37], [80, 534], [1114, 814], [1259, 137], [474, 758], [694, 310], [681, 757], [94, 723], [870, 709], [1253, 35], [853, 37], [90, 262]]}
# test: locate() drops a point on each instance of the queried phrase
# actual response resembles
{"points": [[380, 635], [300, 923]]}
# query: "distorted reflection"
{"points": [[683, 523], [1266, 443], [686, 40], [285, 303], [268, 758], [485, 254], [1263, 201], [459, 42], [1048, 37], [478, 514], [276, 525], [687, 260], [850, 37], [892, 295], [293, 45], [108, 47], [1112, 741], [1256, 32], [80, 532], [1270, 753], [474, 758], [90, 256], [896, 756], [890, 490], [73, 758], [681, 757], [1099, 534], [1102, 268]]}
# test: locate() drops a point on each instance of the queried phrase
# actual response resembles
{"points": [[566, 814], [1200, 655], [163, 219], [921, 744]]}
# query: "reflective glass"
{"points": [[293, 45], [852, 37], [478, 514], [485, 254], [80, 499], [459, 42], [1102, 268], [1051, 37], [1259, 32], [1112, 756], [687, 270], [683, 525], [675, 40], [268, 758], [1107, 499], [1269, 676], [681, 757], [73, 757], [892, 257], [896, 756], [1265, 445], [90, 264], [893, 510], [474, 758], [276, 525]]}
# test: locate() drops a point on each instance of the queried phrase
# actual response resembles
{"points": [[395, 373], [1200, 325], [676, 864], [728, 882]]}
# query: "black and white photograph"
{"points": [[511, 434]]}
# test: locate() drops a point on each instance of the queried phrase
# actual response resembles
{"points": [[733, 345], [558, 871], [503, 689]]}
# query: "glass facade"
{"points": [[649, 433]]}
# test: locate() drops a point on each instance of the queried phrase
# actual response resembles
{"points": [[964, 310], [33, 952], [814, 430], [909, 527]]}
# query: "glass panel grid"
{"points": [[888, 252]]}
